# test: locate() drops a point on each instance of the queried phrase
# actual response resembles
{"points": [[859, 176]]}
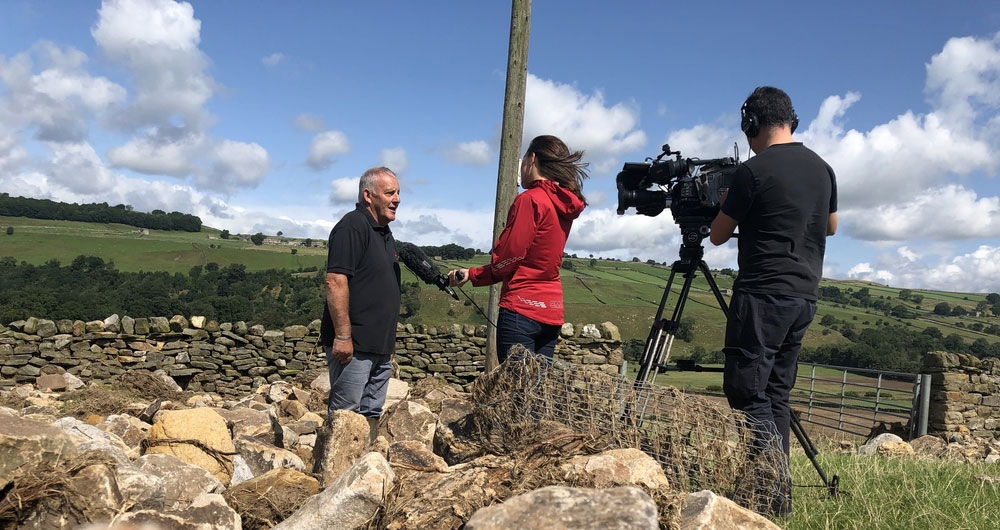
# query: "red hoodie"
{"points": [[527, 256]]}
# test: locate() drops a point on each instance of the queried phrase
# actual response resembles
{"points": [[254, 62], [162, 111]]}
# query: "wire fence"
{"points": [[698, 443]]}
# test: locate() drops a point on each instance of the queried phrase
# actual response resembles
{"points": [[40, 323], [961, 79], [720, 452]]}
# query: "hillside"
{"points": [[626, 293]]}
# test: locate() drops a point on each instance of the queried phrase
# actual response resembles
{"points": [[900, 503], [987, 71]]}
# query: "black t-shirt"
{"points": [[782, 199], [366, 254]]}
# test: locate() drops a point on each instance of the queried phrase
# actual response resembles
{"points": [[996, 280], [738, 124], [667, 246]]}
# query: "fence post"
{"points": [[843, 390], [812, 390], [925, 403]]}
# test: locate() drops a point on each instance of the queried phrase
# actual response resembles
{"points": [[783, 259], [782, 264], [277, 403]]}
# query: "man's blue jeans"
{"points": [[359, 385], [513, 328]]}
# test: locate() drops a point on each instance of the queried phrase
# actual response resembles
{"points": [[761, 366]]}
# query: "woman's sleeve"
{"points": [[511, 246]]}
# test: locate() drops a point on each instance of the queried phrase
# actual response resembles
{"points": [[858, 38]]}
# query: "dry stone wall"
{"points": [[965, 394], [234, 358]]}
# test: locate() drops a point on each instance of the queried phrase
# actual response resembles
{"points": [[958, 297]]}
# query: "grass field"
{"points": [[892, 494], [625, 293]]}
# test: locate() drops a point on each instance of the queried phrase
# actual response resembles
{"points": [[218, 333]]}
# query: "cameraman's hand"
{"points": [[343, 350], [458, 277]]}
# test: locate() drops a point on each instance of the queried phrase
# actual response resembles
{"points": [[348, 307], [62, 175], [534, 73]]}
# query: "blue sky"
{"points": [[259, 116]]}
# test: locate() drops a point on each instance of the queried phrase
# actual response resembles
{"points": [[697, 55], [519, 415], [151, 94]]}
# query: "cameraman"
{"points": [[784, 201]]}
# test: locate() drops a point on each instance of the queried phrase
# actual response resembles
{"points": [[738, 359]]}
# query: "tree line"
{"points": [[97, 213], [90, 288]]}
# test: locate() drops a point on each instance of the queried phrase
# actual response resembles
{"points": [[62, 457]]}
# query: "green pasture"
{"points": [[892, 493], [859, 390], [38, 241], [625, 293]]}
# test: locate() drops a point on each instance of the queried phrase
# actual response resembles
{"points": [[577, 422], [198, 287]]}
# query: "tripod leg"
{"points": [[832, 487]]}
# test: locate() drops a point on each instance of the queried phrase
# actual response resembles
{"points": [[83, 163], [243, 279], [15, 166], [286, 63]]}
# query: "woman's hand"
{"points": [[458, 277]]}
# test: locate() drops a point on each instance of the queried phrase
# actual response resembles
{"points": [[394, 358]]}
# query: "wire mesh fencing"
{"points": [[698, 443]]}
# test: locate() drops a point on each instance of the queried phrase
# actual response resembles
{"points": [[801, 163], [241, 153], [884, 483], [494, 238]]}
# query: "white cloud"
{"points": [[474, 153], [344, 191], [12, 154], [583, 121], [976, 271], [159, 154], [59, 100], [907, 254], [158, 41], [325, 146], [309, 122], [424, 224], [78, 168], [236, 165], [864, 271], [950, 212], [273, 59], [963, 77], [394, 158]]}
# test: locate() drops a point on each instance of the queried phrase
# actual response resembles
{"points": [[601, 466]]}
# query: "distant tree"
{"points": [[567, 264], [979, 347], [224, 234], [409, 299], [10, 230], [685, 329], [211, 266], [982, 306], [307, 243], [195, 271], [593, 262], [953, 343], [295, 251], [993, 298], [828, 320], [280, 233], [917, 299], [632, 348], [258, 239], [905, 294], [942, 308], [959, 311], [698, 354], [635, 259], [650, 261], [901, 311]]}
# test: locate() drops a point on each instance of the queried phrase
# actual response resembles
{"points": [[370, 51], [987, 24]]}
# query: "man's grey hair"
{"points": [[368, 179]]}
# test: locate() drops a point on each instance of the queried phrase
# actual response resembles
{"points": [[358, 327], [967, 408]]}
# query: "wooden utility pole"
{"points": [[510, 144]]}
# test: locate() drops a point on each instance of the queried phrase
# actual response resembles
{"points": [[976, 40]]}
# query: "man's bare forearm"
{"points": [[338, 301]]}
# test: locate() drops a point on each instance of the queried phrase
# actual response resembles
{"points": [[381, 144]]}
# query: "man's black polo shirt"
{"points": [[782, 199], [366, 253]]}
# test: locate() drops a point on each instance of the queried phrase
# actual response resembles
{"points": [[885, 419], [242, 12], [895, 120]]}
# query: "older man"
{"points": [[362, 298]]}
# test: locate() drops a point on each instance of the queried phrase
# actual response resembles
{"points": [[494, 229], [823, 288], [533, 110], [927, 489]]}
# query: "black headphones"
{"points": [[751, 125]]}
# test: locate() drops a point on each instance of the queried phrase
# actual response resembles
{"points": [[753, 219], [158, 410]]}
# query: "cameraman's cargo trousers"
{"points": [[763, 339]]}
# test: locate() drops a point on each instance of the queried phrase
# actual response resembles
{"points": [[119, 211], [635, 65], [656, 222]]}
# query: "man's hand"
{"points": [[343, 350], [453, 277]]}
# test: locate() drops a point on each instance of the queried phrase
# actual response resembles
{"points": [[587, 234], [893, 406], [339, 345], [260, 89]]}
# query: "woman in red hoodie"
{"points": [[528, 254]]}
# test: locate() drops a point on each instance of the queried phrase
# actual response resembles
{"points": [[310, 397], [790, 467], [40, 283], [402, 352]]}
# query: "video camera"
{"points": [[690, 187]]}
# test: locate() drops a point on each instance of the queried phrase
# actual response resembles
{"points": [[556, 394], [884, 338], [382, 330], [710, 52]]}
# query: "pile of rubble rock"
{"points": [[955, 446], [272, 459]]}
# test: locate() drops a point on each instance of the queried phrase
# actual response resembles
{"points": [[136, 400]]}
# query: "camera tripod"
{"points": [[663, 331]]}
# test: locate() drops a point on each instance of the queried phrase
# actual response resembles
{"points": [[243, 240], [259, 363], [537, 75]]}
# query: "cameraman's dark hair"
{"points": [[771, 106], [557, 163]]}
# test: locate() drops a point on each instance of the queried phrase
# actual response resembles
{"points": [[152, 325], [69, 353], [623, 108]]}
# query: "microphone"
{"points": [[421, 265]]}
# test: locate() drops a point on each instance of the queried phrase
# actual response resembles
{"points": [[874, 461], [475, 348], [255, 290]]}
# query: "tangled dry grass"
{"points": [[50, 484], [698, 443]]}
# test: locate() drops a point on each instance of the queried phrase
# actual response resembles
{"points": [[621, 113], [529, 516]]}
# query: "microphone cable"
{"points": [[474, 304]]}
